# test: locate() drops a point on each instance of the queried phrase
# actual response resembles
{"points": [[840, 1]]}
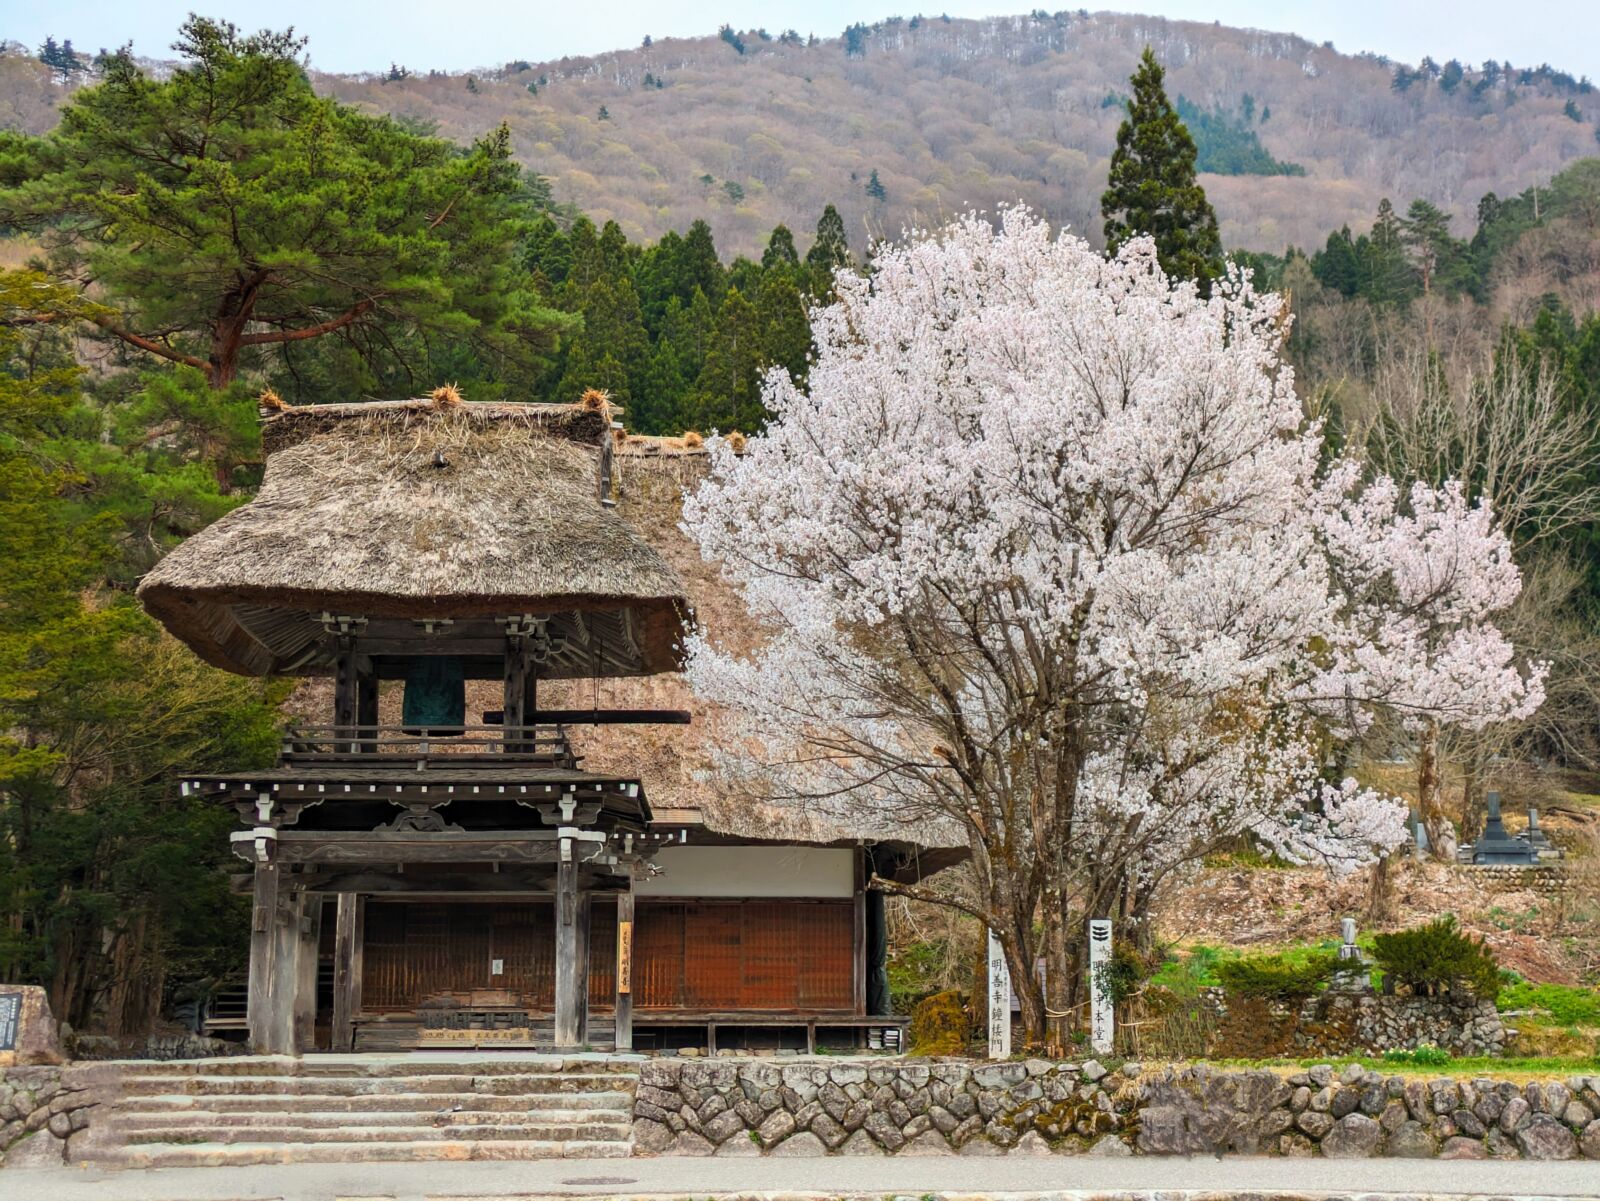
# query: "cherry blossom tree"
{"points": [[1048, 560]]}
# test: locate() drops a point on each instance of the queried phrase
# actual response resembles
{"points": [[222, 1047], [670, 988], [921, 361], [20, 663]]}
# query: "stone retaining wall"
{"points": [[878, 1107], [1340, 1023], [41, 1108]]}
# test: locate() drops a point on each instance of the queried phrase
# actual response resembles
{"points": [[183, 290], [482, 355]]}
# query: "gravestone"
{"points": [[28, 1032], [1351, 975], [1496, 845]]}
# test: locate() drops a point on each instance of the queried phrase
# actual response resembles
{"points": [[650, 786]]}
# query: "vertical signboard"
{"points": [[999, 1001], [10, 1019], [1101, 1020], [624, 957]]}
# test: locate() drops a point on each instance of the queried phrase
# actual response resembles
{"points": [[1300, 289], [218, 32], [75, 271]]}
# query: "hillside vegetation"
{"points": [[757, 127]]}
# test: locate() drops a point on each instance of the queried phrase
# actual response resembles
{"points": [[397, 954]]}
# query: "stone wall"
{"points": [[1338, 1023], [878, 1107], [41, 1109]]}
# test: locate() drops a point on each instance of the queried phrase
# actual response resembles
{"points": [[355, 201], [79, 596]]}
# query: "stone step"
{"points": [[143, 1083], [507, 1064], [616, 1123], [186, 1155], [180, 1103], [412, 1133]]}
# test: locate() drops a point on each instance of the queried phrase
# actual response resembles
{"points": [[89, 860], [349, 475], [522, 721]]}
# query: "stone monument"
{"points": [[28, 1033]]}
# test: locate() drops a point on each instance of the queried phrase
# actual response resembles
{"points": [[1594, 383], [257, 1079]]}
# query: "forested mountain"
{"points": [[911, 120]]}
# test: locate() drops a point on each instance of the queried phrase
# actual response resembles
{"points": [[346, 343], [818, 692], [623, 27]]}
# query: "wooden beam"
{"points": [[598, 717], [572, 960], [859, 929], [259, 1011], [308, 928], [346, 688], [346, 978], [285, 977], [624, 1003]]}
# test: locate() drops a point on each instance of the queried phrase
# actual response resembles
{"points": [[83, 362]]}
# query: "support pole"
{"points": [[625, 967], [572, 954], [284, 983], [367, 706], [260, 1008], [308, 928], [346, 693], [346, 970]]}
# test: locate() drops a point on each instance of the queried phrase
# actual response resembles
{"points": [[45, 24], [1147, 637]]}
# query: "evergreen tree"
{"points": [[698, 265], [1152, 186], [1387, 276], [780, 251], [785, 325], [875, 188], [272, 216], [728, 388], [1337, 265], [830, 252]]}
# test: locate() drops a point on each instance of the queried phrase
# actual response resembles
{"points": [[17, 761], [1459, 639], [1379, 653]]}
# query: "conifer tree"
{"points": [[780, 251], [875, 188], [785, 325], [830, 252], [1152, 188], [728, 390]]}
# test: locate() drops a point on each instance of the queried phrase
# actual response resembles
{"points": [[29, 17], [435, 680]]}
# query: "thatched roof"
{"points": [[422, 509]]}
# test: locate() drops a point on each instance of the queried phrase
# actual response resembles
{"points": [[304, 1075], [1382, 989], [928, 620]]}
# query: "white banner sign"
{"points": [[1101, 1020], [999, 1001]]}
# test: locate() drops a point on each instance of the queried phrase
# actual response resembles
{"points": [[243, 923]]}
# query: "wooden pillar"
{"points": [[572, 956], [859, 933], [308, 928], [367, 705], [514, 705], [347, 948], [625, 967], [262, 1015], [346, 692]]}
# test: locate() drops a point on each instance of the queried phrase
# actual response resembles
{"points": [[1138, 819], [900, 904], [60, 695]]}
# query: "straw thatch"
{"points": [[419, 509]]}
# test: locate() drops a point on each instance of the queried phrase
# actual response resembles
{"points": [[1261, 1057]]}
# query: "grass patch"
{"points": [[1509, 1068], [1552, 1004]]}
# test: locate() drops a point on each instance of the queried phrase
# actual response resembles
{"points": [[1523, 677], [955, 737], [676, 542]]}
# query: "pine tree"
{"points": [[698, 264], [829, 253], [785, 326], [875, 188], [728, 389], [780, 251], [1152, 188], [282, 218]]}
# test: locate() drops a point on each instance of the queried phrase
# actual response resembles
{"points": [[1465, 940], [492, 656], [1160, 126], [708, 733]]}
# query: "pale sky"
{"points": [[366, 35]]}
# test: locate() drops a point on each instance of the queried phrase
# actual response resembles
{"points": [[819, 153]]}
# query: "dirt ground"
{"points": [[1548, 939]]}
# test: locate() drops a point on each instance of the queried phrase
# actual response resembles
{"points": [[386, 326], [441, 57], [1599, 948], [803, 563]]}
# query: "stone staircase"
{"points": [[347, 1109]]}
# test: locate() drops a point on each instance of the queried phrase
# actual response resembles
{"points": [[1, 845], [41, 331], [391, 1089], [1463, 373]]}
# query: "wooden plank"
{"points": [[308, 927], [346, 976], [263, 956], [624, 1004]]}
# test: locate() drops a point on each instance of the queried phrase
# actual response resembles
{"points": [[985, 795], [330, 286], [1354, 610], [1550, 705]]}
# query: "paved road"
{"points": [[1014, 1177]]}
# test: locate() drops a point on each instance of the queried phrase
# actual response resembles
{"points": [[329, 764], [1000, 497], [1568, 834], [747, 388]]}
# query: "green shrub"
{"points": [[1277, 975], [1437, 958], [941, 1025], [1425, 1056], [1567, 1005], [1121, 975]]}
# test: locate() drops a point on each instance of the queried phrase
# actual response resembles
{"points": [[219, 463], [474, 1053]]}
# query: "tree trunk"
{"points": [[1473, 809], [1430, 800], [1380, 892]]}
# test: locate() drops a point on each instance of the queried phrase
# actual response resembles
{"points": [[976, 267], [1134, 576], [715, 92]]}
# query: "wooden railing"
{"points": [[541, 744]]}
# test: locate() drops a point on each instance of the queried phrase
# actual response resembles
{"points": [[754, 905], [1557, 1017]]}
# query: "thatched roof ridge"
{"points": [[416, 509]]}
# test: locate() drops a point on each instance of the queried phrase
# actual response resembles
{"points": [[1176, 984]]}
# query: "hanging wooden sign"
{"points": [[624, 957]]}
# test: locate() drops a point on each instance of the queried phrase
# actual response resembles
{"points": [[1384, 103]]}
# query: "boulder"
{"points": [[929, 1142], [650, 1136], [1463, 1148], [859, 1143], [1111, 1146], [1543, 1137], [1589, 1143], [38, 1038], [39, 1150], [799, 1146], [1412, 1141], [691, 1144], [1354, 1136]]}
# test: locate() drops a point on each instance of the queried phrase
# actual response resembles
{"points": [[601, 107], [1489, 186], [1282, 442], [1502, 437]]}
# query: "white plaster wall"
{"points": [[692, 871]]}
